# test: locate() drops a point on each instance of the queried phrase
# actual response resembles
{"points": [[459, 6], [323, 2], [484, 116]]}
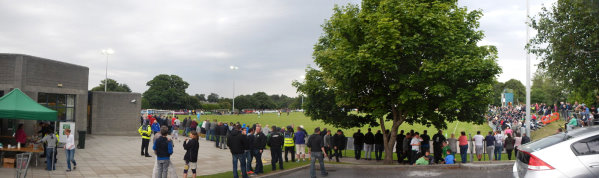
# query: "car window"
{"points": [[594, 146], [580, 148], [586, 147]]}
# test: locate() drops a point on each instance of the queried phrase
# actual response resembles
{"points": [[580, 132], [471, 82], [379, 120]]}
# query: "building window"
{"points": [[62, 103]]}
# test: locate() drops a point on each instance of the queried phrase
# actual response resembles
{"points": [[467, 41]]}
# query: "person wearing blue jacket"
{"points": [[163, 147], [300, 144], [155, 127]]}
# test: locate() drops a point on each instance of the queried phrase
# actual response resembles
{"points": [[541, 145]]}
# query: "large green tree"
{"points": [[498, 88], [112, 86], [245, 102], [518, 89], [168, 92], [213, 98], [567, 42], [263, 101], [407, 61], [545, 90], [201, 97]]}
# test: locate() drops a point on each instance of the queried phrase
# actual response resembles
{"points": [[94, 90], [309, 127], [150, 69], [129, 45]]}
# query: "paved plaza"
{"points": [[119, 156]]}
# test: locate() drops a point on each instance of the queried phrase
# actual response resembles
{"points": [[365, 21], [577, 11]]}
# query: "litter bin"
{"points": [[81, 144]]}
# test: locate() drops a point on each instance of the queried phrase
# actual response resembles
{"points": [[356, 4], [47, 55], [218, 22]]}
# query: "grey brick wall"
{"points": [[48, 73], [113, 113], [7, 69], [34, 74]]}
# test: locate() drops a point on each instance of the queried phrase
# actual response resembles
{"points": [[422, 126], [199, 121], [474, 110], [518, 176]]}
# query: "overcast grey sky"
{"points": [[270, 40]]}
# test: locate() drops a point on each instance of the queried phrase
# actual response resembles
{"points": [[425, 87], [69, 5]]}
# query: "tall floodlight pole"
{"points": [[527, 74], [302, 106], [106, 52], [233, 68]]}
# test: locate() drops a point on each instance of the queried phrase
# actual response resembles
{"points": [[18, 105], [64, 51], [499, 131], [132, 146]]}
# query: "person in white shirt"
{"points": [[70, 150], [478, 144], [175, 134], [498, 145], [415, 142]]}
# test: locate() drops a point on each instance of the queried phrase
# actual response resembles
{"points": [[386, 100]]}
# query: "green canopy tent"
{"points": [[17, 105]]}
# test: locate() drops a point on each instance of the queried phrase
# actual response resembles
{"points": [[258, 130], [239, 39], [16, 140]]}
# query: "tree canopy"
{"points": [[546, 90], [112, 86], [518, 89], [567, 42], [213, 98], [168, 92], [201, 97], [400, 60]]}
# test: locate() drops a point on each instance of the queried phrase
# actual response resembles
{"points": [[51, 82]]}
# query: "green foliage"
{"points": [[518, 89], [213, 98], [201, 97], [168, 92], [497, 90], [567, 42], [145, 104], [261, 100], [211, 106], [112, 86], [546, 90], [400, 60]]}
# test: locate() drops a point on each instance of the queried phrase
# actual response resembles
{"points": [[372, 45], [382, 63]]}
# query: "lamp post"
{"points": [[527, 76], [233, 106], [107, 52], [303, 77]]}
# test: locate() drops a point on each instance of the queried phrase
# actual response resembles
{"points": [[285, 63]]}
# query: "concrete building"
{"points": [[64, 87], [111, 113]]}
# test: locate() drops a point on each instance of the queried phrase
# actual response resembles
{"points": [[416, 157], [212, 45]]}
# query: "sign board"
{"points": [[62, 127]]}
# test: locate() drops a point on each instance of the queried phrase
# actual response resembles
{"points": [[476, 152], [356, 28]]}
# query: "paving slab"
{"points": [[119, 156]]}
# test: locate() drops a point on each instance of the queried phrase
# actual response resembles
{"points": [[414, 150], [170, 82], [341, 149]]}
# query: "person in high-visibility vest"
{"points": [[146, 134], [289, 144]]}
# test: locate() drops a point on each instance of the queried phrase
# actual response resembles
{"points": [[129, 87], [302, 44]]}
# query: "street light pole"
{"points": [[527, 75], [302, 106], [233, 106], [106, 52]]}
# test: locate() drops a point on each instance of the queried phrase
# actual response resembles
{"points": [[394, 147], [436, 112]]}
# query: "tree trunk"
{"points": [[390, 143]]}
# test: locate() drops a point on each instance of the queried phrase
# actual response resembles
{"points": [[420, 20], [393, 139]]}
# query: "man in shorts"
{"points": [[300, 144], [478, 145]]}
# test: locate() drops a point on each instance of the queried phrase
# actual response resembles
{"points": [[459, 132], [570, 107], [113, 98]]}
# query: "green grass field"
{"points": [[548, 130], [297, 118]]}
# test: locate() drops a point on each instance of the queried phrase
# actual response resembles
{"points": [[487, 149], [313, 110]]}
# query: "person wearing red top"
{"points": [[20, 135], [173, 121], [152, 119], [463, 140]]}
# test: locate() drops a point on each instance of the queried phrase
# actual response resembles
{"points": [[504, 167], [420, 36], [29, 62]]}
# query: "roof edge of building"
{"points": [[40, 58]]}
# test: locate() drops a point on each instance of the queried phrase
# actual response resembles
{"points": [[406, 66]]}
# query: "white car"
{"points": [[571, 154]]}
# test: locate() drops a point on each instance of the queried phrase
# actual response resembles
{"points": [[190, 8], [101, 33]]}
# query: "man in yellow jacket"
{"points": [[145, 133]]}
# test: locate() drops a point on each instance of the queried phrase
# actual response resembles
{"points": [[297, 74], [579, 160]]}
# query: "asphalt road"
{"points": [[411, 172]]}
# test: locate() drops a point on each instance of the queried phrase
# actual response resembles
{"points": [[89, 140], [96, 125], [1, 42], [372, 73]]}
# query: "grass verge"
{"points": [[547, 130]]}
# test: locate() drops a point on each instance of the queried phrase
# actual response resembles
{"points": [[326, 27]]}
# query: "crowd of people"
{"points": [[49, 140], [247, 142], [513, 117]]}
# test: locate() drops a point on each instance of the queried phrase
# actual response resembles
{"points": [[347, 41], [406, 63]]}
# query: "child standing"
{"points": [[191, 156]]}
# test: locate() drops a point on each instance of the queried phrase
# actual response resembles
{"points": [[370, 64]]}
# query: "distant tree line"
{"points": [[168, 92]]}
